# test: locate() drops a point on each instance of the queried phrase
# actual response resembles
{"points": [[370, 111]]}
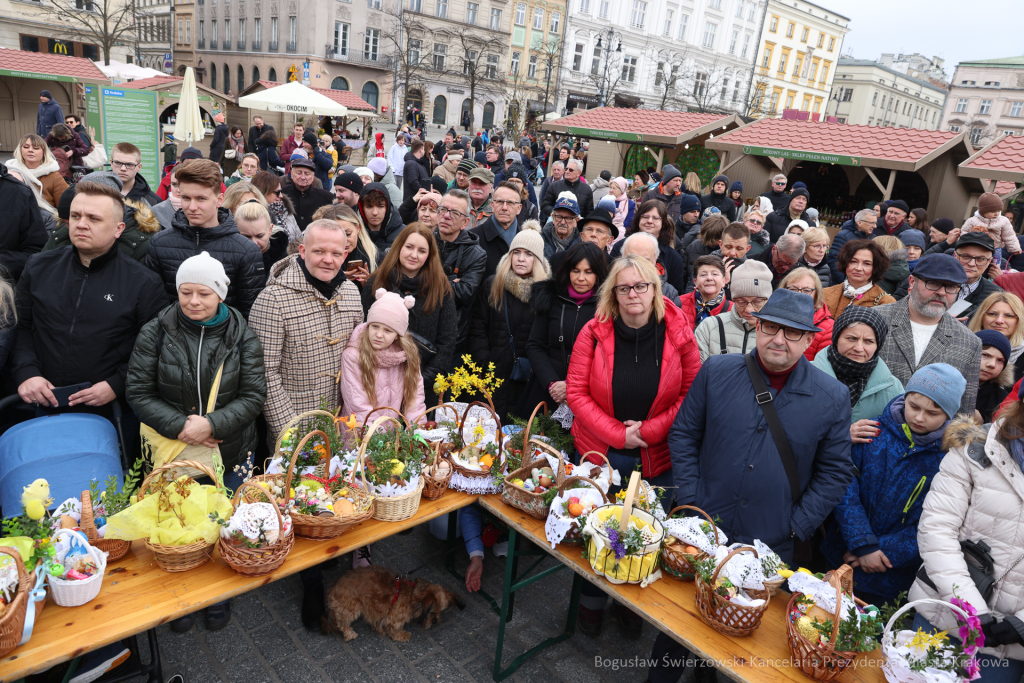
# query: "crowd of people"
{"points": [[845, 401]]}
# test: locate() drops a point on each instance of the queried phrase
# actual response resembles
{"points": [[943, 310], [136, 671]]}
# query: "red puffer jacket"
{"points": [[824, 320], [589, 390], [689, 308]]}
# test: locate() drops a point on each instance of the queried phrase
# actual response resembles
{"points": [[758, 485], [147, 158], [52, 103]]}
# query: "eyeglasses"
{"points": [[639, 288], [935, 286], [778, 182], [597, 232], [804, 290], [127, 165], [772, 329], [965, 259], [564, 220], [443, 211], [505, 202], [756, 222], [756, 304]]}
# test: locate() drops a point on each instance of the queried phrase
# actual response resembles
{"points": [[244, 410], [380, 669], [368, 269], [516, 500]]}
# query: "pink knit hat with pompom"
{"points": [[392, 310]]}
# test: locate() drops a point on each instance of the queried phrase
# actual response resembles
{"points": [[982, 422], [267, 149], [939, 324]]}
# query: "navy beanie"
{"points": [[799, 184], [996, 339], [688, 202], [737, 186]]}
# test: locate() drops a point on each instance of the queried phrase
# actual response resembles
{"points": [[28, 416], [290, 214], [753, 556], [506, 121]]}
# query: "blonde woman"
{"points": [[1003, 312], [816, 247], [629, 372], [240, 193], [34, 163], [806, 281], [896, 280], [362, 252], [691, 185], [254, 222], [500, 327]]}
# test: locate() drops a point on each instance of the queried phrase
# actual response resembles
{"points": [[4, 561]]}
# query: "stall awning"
{"points": [[355, 105], [654, 127], [47, 67], [999, 160]]}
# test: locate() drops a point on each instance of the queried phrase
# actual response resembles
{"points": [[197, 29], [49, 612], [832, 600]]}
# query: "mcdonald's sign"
{"points": [[59, 47]]}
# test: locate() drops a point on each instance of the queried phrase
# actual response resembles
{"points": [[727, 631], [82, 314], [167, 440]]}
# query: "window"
{"points": [[797, 63], [469, 62], [538, 18], [739, 9], [492, 67], [531, 71], [848, 95], [441, 10], [188, 31], [782, 62], [257, 30], [339, 82], [954, 129], [584, 6], [683, 18], [181, 31], [556, 22], [241, 30], [639, 13], [814, 71], [995, 83], [732, 42], [629, 69], [373, 4], [669, 16], [488, 115], [746, 44], [577, 58], [241, 78], [750, 17], [976, 134], [440, 108], [715, 4], [961, 105], [709, 35], [371, 44], [495, 19], [790, 29], [659, 76], [831, 43], [725, 88], [986, 107], [213, 32], [415, 51], [767, 58], [521, 14], [824, 73], [272, 75], [773, 103], [774, 25], [471, 11], [370, 93], [803, 35], [213, 77], [202, 31], [273, 31], [341, 34], [789, 101], [415, 5], [1015, 109], [700, 84], [595, 63], [602, 11], [293, 30], [227, 76], [440, 55], [817, 106]]}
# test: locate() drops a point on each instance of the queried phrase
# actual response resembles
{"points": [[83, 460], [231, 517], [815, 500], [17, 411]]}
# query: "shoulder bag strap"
{"points": [[721, 335], [764, 399], [508, 326]]}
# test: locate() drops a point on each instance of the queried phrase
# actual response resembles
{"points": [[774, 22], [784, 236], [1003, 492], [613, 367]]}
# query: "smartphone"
{"points": [[63, 394], [352, 265]]}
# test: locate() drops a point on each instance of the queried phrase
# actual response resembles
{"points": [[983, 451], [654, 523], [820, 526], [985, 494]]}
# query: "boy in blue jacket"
{"points": [[876, 521]]}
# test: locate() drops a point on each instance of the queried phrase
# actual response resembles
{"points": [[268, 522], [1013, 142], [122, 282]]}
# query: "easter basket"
{"points": [[258, 561], [457, 464], [394, 508], [444, 446], [71, 592], [253, 496], [180, 558], [114, 547], [608, 534], [820, 661], [724, 615], [674, 561], [897, 648], [574, 536], [437, 474], [531, 502], [12, 622]]}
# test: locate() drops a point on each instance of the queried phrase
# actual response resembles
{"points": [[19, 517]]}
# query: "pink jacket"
{"points": [[389, 382], [999, 229]]}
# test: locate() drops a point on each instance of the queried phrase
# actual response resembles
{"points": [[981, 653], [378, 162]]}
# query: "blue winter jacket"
{"points": [[883, 504], [49, 115], [882, 387], [725, 462]]}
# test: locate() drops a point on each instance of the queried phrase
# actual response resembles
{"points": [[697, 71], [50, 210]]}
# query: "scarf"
{"points": [[517, 286], [560, 244], [704, 308], [217, 319], [967, 289], [325, 288], [851, 373], [578, 298], [277, 211], [621, 211], [1015, 353], [175, 199], [237, 144], [855, 293], [761, 237]]}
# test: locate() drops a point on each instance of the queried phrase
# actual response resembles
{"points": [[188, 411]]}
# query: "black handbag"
{"points": [[521, 367], [426, 349], [980, 567]]}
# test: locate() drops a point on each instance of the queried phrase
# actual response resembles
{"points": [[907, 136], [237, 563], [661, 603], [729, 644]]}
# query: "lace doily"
{"points": [[822, 592], [688, 530], [744, 570], [248, 517], [558, 523], [338, 466], [474, 485], [563, 416]]}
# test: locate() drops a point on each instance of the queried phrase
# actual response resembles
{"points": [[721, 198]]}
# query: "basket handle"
{"points": [[601, 455], [366, 420], [434, 410], [714, 577], [627, 504], [174, 464], [544, 446], [497, 432], [296, 420], [910, 605], [95, 553], [88, 523], [842, 579], [277, 508], [706, 516], [573, 480], [22, 573], [529, 423], [362, 450], [295, 458]]}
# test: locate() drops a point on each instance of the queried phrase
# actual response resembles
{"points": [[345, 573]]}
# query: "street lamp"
{"points": [[612, 35]]}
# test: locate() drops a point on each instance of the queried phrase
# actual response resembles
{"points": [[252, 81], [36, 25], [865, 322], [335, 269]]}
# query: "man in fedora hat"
{"points": [[731, 458]]}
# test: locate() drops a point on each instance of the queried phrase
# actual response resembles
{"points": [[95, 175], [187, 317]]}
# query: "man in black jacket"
{"points": [[81, 307], [777, 221], [22, 233], [126, 162], [719, 198], [258, 128], [497, 232], [570, 181], [777, 195], [463, 258], [415, 172], [202, 225], [304, 195]]}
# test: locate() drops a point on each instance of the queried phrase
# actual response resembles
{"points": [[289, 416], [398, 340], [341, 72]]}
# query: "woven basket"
{"points": [[529, 502], [445, 447], [258, 561], [437, 474], [774, 585], [462, 469], [72, 593], [114, 547], [895, 667], [253, 496], [398, 508], [12, 623], [638, 566], [819, 661], [572, 536], [674, 561], [578, 470], [181, 558], [724, 615]]}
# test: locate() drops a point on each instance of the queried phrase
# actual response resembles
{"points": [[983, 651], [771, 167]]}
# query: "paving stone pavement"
{"points": [[266, 643]]}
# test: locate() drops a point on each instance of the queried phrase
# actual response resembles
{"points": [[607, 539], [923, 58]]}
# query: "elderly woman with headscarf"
{"points": [[858, 334], [625, 207]]}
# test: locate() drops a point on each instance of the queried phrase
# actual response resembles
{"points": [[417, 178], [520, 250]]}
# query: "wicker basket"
{"points": [[444, 447], [180, 558], [578, 469], [437, 474], [258, 561], [773, 586], [397, 508], [72, 593], [674, 561], [12, 623], [572, 536], [820, 661], [895, 667], [725, 616], [249, 496], [462, 469], [640, 566], [529, 502], [114, 547]]}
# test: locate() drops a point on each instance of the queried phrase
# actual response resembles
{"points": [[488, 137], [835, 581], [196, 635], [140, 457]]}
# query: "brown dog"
{"points": [[385, 601]]}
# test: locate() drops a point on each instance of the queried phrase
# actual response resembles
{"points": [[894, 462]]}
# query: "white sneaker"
{"points": [[361, 557], [500, 549]]}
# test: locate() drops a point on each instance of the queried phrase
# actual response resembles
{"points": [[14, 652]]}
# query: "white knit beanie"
{"points": [[203, 270], [529, 238]]}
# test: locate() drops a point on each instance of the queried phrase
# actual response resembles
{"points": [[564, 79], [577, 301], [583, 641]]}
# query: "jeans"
{"points": [[993, 669], [472, 527], [591, 596]]}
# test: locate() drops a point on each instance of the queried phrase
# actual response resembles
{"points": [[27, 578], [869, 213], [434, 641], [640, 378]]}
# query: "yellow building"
{"points": [[535, 53], [795, 63]]}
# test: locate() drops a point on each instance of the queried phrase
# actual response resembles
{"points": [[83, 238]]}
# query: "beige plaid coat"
{"points": [[303, 335]]}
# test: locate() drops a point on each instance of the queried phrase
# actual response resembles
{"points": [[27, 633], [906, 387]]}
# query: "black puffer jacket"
{"points": [[305, 202], [464, 261], [141, 192], [777, 222], [165, 385], [822, 269], [489, 341], [242, 260], [724, 203], [392, 224], [22, 233], [557, 322]]}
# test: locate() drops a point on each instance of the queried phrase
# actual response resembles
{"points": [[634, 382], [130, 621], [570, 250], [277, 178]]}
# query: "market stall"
{"points": [[999, 165]]}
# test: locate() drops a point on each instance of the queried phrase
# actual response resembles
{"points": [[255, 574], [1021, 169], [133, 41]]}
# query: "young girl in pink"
{"points": [[989, 218]]}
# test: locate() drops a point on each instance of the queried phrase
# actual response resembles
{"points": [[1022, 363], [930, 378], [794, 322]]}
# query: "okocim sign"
{"points": [[801, 155]]}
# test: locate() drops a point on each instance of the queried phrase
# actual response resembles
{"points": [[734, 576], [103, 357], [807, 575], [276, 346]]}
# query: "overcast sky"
{"points": [[950, 29]]}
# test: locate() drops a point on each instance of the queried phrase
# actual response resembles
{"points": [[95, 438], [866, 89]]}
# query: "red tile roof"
{"points": [[345, 98], [1006, 155], [54, 65], [1004, 187], [869, 142], [668, 124]]}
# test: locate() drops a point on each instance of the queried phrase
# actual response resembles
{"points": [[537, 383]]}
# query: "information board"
{"points": [[130, 116], [93, 117]]}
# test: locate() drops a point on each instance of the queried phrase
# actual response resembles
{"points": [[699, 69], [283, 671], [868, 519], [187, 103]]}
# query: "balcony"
{"points": [[350, 56], [201, 44], [257, 46], [241, 45], [290, 47], [272, 46], [227, 44]]}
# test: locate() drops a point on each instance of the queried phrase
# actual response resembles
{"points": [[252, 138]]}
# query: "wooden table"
{"points": [[137, 595], [669, 606]]}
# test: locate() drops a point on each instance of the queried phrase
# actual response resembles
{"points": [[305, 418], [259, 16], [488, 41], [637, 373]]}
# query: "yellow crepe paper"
{"points": [[629, 568], [145, 519], [24, 546]]}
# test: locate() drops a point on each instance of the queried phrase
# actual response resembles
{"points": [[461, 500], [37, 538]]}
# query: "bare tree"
{"points": [[551, 62], [406, 37], [757, 102], [475, 62], [669, 83], [105, 22], [517, 96]]}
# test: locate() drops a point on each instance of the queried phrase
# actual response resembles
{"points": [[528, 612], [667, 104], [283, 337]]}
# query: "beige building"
{"points": [[184, 41], [872, 94], [796, 57], [535, 53], [986, 100], [30, 26]]}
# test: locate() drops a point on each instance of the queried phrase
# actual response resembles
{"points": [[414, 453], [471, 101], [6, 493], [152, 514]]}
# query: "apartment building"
{"points": [[986, 98], [155, 34], [33, 26], [870, 93], [536, 51]]}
